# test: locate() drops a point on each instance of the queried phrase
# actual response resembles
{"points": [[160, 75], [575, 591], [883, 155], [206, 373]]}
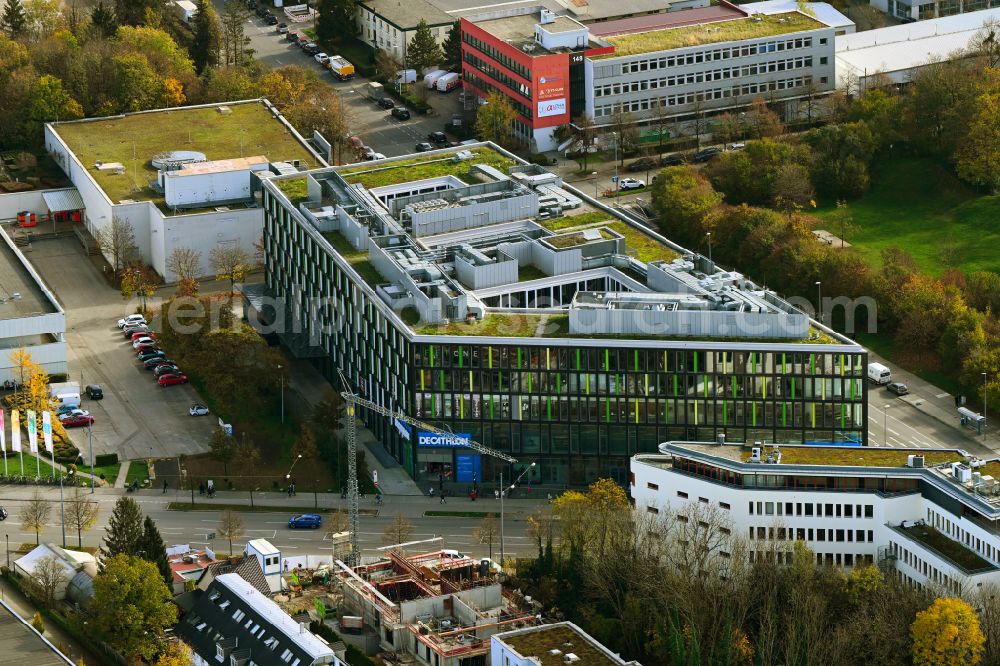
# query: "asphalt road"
{"points": [[194, 527], [137, 418]]}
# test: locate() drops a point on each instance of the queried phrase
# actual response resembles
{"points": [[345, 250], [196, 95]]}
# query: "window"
{"points": [[682, 519], [703, 500], [286, 656], [652, 486], [682, 494], [724, 505], [220, 654], [225, 604], [239, 615], [652, 509], [822, 60], [751, 508], [725, 530], [822, 40], [869, 510], [769, 508]]}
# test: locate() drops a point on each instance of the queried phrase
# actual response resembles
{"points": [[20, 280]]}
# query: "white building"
{"points": [[898, 52], [389, 25], [562, 643], [919, 10], [184, 177], [69, 562], [30, 315], [269, 558], [931, 515]]}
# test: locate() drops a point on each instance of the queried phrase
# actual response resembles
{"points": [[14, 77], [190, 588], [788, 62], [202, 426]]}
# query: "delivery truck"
{"points": [[879, 374], [374, 91], [341, 68], [66, 394]]}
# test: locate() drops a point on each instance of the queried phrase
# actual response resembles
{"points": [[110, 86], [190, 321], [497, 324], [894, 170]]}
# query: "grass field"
{"points": [[246, 131], [919, 206]]}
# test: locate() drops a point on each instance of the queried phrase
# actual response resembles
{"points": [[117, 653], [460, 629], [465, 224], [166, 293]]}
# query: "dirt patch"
{"points": [[307, 475]]}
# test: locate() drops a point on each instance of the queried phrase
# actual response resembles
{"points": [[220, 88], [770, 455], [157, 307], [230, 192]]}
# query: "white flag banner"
{"points": [[32, 431], [3, 433], [47, 430], [15, 430]]}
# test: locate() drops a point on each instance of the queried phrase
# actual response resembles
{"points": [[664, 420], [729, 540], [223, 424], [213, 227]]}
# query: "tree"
{"points": [[660, 121], [13, 20], [792, 187], [23, 364], [682, 197], [236, 49], [34, 514], [326, 415], [321, 110], [986, 43], [124, 531], [487, 531], [50, 101], [48, 576], [387, 66], [175, 653], [763, 122], [583, 132], [42, 16], [38, 623], [81, 513], [139, 280], [207, 37], [134, 607], [305, 444], [103, 18], [947, 632], [335, 19], [133, 12], [230, 262], [452, 47], [423, 50], [221, 448], [978, 156], [117, 242], [152, 549], [185, 265], [398, 531], [231, 527], [622, 124], [495, 120]]}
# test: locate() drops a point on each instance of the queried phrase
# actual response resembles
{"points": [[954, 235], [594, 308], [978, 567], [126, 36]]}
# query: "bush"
{"points": [[58, 378], [106, 459]]}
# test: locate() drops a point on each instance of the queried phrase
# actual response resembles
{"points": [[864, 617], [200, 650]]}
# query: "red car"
{"points": [[143, 334], [171, 379], [76, 420], [149, 346]]}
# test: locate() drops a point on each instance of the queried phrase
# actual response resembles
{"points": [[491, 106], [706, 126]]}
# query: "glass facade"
{"points": [[579, 408]]}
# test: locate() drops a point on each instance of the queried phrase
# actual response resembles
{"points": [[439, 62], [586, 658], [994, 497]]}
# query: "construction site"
{"points": [[437, 608]]}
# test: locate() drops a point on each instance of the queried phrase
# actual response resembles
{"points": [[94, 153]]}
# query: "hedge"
{"points": [[105, 459]]}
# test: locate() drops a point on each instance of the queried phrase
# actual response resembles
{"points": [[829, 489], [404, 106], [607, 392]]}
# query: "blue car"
{"points": [[308, 520]]}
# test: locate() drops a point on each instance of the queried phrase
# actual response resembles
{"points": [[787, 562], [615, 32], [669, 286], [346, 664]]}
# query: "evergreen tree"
{"points": [[13, 20], [103, 18], [134, 12], [453, 47], [207, 36], [423, 50], [335, 20], [124, 530], [153, 550]]}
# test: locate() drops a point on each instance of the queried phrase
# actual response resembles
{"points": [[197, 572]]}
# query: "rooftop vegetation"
{"points": [[539, 643], [247, 130], [946, 547], [420, 168], [754, 27], [856, 456], [358, 259], [296, 189], [504, 325]]}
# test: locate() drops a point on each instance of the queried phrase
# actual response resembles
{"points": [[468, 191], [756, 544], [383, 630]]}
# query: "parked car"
{"points": [[305, 520], [672, 160], [198, 410], [706, 154], [400, 113], [439, 138], [142, 334], [271, 19], [143, 340], [129, 331], [292, 36], [423, 147], [321, 58], [282, 28], [737, 146], [156, 361], [142, 357], [172, 380], [94, 391], [631, 184], [76, 420], [131, 319], [302, 41], [149, 346], [642, 164], [386, 102], [166, 369], [899, 388], [311, 48]]}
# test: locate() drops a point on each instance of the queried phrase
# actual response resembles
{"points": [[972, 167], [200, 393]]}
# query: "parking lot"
{"points": [[374, 125], [137, 418]]}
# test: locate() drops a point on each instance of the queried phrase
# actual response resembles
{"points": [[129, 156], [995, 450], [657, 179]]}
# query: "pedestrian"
{"points": [[289, 490], [442, 498], [496, 494], [430, 492], [164, 486], [550, 498], [201, 488], [293, 490]]}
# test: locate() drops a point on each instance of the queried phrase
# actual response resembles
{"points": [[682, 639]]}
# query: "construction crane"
{"points": [[353, 401]]}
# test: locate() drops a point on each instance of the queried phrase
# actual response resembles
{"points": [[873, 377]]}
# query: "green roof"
{"points": [[856, 456], [247, 130], [420, 168], [946, 547], [711, 33]]}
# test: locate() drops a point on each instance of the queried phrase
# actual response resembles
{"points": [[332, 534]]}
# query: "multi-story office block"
{"points": [[930, 515], [479, 293]]}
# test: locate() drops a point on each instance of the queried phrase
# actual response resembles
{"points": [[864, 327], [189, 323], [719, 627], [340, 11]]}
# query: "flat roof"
{"points": [[724, 30], [219, 166], [550, 644], [17, 278], [823, 12], [520, 29], [406, 15], [247, 128], [837, 456], [697, 16]]}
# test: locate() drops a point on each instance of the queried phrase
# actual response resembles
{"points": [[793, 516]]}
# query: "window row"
{"points": [[470, 77], [716, 55], [704, 96], [810, 534], [703, 77], [822, 559], [496, 55], [944, 524], [809, 509], [498, 75], [924, 568]]}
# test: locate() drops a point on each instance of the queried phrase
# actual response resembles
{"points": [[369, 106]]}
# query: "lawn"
{"points": [[422, 167], [13, 467], [509, 325], [296, 189], [857, 456], [247, 130], [919, 206], [713, 33], [643, 247], [138, 470], [358, 260]]}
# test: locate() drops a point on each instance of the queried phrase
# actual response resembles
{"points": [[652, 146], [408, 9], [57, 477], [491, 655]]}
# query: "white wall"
{"points": [[51, 356], [203, 232], [14, 202]]}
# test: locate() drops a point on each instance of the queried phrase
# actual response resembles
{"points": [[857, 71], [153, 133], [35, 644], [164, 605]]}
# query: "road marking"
{"points": [[942, 395], [273, 533], [894, 432], [297, 539]]}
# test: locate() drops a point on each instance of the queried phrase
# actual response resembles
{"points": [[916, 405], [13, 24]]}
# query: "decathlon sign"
{"points": [[443, 439]]}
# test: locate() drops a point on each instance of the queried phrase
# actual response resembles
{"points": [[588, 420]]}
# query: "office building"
{"points": [[929, 515], [389, 25], [550, 644], [663, 66], [480, 293]]}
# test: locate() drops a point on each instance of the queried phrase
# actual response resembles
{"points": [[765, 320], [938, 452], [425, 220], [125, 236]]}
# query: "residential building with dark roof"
{"points": [[234, 624]]}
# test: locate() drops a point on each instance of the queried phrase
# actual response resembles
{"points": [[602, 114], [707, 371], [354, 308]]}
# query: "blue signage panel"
{"points": [[467, 467], [443, 439]]}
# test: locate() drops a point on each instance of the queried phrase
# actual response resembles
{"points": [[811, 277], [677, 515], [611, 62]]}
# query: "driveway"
{"points": [[137, 418]]}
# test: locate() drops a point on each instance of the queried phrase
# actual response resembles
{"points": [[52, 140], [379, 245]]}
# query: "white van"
{"points": [[431, 78], [448, 82], [879, 374]]}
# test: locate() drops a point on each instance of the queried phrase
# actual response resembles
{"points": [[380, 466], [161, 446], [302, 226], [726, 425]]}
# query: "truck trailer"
{"points": [[341, 68]]}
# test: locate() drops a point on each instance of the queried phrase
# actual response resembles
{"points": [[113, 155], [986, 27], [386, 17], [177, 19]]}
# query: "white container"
{"points": [[448, 82], [431, 78]]}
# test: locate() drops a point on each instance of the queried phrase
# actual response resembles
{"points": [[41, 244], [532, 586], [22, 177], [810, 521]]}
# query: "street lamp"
{"points": [[62, 505], [594, 174], [281, 378], [819, 300], [708, 235], [985, 422], [503, 491], [288, 476]]}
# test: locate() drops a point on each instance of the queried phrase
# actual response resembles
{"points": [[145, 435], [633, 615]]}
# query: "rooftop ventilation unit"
{"points": [[914, 461], [570, 658], [528, 47]]}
